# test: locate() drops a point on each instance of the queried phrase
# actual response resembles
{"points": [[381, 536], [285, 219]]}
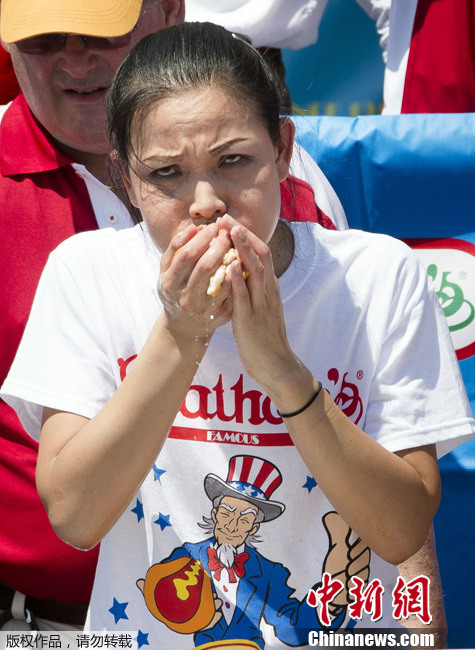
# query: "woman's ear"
{"points": [[125, 175], [130, 190], [284, 147]]}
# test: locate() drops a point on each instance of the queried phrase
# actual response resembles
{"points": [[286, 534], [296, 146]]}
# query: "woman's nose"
{"points": [[206, 203]]}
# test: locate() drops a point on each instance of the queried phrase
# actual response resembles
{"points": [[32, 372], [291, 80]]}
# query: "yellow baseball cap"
{"points": [[21, 19]]}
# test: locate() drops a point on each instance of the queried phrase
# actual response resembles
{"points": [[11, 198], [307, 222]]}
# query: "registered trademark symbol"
{"points": [[360, 374], [462, 275]]}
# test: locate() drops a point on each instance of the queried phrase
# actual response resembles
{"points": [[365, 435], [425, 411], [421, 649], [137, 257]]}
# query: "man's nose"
{"points": [[78, 59], [206, 203]]}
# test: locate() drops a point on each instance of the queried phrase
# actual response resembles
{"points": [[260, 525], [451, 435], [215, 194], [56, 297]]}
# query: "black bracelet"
{"points": [[310, 401]]}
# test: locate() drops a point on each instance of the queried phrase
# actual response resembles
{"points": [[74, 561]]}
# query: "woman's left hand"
{"points": [[257, 316], [388, 499]]}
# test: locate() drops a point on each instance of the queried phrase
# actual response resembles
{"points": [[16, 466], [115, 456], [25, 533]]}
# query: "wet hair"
{"points": [[186, 57]]}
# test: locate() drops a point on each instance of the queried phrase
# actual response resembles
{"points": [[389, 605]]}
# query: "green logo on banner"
{"points": [[453, 301]]}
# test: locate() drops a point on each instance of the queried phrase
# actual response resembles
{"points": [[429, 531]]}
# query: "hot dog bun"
{"points": [[217, 279]]}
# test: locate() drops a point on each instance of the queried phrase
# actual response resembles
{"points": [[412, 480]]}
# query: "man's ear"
{"points": [[213, 514], [174, 11], [284, 147]]}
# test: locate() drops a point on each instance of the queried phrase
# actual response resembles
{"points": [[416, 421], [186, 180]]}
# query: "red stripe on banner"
{"points": [[231, 437], [452, 242], [466, 353]]}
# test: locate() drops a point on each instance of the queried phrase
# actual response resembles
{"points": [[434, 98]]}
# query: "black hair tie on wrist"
{"points": [[309, 403]]}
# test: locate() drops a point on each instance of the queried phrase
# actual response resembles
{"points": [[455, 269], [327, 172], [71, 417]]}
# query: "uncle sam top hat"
{"points": [[250, 478]]}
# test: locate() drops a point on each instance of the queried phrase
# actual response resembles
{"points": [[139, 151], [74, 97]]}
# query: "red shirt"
{"points": [[42, 202], [440, 75]]}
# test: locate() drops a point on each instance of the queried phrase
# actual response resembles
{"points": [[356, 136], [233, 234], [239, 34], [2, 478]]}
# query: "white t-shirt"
{"points": [[401, 21], [359, 314], [272, 23], [280, 23]]}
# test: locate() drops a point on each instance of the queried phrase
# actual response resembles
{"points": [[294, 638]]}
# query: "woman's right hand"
{"points": [[88, 470], [186, 267]]}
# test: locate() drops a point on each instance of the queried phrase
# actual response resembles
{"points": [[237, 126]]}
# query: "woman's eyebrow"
{"points": [[167, 159], [225, 145], [170, 158]]}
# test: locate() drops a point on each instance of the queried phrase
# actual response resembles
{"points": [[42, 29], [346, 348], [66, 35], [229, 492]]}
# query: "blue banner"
{"points": [[342, 74]]}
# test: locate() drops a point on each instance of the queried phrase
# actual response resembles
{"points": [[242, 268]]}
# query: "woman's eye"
{"points": [[166, 172], [232, 159]]}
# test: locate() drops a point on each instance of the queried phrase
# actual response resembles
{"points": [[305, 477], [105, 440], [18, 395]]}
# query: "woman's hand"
{"points": [[257, 314], [186, 267], [389, 501]]}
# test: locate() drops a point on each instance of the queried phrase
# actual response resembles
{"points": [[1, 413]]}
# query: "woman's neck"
{"points": [[282, 246]]}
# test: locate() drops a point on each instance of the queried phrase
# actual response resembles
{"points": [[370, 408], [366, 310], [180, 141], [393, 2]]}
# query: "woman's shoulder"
{"points": [[369, 263], [350, 244], [102, 239], [104, 258], [97, 246]]}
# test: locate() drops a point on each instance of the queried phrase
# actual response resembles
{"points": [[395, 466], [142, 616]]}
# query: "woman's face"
{"points": [[201, 154]]}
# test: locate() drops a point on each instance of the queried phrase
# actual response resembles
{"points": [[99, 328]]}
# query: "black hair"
{"points": [[184, 57]]}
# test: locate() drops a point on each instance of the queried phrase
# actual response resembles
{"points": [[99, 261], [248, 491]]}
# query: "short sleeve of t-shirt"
{"points": [[375, 335], [59, 336], [417, 395], [65, 358]]}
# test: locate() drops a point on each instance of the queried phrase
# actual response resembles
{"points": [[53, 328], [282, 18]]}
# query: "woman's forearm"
{"points": [[89, 470], [388, 500]]}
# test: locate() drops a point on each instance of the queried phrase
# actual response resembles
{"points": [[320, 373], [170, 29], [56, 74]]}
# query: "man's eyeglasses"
{"points": [[51, 43]]}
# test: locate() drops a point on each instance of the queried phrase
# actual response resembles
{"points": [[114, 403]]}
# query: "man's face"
{"points": [[66, 90], [234, 521]]}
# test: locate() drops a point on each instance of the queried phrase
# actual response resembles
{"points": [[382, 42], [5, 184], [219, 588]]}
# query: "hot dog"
{"points": [[217, 279]]}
